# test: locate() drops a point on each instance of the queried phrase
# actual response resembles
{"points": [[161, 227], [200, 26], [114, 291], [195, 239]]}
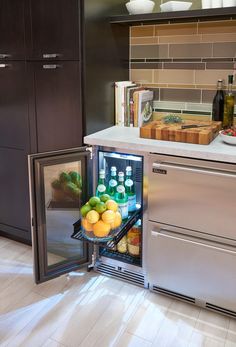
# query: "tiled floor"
{"points": [[90, 310]]}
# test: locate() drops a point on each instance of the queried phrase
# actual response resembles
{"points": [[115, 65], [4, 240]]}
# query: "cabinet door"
{"points": [[14, 197], [55, 29], [14, 122], [58, 107], [59, 187], [12, 29]]}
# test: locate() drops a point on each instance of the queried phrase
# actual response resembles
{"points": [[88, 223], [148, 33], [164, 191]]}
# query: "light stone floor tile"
{"points": [[231, 334], [129, 340], [112, 322], [149, 316], [52, 343], [89, 310], [178, 326], [23, 312], [201, 340], [229, 343], [212, 324]]}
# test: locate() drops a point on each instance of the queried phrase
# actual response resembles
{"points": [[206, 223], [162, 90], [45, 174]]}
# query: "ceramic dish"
{"points": [[140, 6], [175, 6], [228, 139]]}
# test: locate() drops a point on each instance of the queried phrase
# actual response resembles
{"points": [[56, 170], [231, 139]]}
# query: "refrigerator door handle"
{"points": [[210, 172]]}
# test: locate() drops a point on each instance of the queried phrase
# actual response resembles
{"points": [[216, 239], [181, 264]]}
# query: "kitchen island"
{"points": [[188, 236], [128, 139]]}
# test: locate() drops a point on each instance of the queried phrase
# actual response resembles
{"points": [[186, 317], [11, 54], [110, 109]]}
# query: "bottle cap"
{"points": [[113, 168], [128, 168], [121, 174], [102, 171]]}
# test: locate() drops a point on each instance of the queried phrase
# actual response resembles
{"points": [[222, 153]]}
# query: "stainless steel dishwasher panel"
{"points": [[203, 271], [193, 194]]}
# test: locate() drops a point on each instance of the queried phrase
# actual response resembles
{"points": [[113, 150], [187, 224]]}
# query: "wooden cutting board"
{"points": [[172, 132]]}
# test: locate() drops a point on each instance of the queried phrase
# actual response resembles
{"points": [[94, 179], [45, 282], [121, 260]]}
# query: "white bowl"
{"points": [[228, 139], [140, 6], [175, 6]]}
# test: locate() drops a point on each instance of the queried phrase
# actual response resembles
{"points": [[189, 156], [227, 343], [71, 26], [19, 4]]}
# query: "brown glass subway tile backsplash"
{"points": [[182, 62]]}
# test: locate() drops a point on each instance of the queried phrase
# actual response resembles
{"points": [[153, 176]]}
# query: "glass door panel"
{"points": [[59, 187]]}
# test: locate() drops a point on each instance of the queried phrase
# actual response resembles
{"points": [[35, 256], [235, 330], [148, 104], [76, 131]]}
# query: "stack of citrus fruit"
{"points": [[100, 215]]}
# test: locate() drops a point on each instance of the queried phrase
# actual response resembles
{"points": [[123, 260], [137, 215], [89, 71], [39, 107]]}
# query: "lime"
{"points": [[85, 209], [94, 201], [105, 197], [100, 207]]}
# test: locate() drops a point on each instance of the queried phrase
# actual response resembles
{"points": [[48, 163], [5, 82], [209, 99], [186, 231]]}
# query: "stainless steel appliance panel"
{"points": [[193, 194], [191, 266]]}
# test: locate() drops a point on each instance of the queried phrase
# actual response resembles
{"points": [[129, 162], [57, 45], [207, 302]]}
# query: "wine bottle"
{"points": [[218, 103], [228, 118]]}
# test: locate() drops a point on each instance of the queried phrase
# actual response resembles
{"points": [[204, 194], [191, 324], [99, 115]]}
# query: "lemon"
{"points": [[117, 221], [108, 216], [86, 225], [112, 205], [92, 217], [101, 229]]}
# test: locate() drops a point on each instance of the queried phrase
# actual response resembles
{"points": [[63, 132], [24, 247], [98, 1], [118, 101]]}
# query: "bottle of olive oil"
{"points": [[228, 119]]}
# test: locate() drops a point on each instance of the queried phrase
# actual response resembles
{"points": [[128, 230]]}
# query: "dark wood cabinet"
{"points": [[55, 29], [14, 197], [14, 117], [12, 29], [57, 105]]}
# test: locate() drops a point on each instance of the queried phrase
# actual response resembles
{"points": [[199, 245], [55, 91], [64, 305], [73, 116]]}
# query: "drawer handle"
{"points": [[193, 242], [50, 55], [51, 66], [4, 56]]}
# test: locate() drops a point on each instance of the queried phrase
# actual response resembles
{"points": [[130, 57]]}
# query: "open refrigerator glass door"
{"points": [[59, 187], [120, 180]]}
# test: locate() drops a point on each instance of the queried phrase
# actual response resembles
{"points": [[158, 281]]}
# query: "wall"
{"points": [[182, 62]]}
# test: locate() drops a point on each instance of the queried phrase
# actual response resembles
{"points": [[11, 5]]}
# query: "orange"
{"points": [[117, 221], [86, 225], [92, 217], [112, 205], [101, 229], [108, 216]]}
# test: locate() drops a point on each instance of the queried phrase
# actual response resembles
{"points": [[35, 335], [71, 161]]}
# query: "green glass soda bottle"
{"points": [[101, 187], [121, 197], [113, 183], [130, 189]]}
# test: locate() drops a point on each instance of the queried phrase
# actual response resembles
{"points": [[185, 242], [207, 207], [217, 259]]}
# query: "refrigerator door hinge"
{"points": [[90, 149]]}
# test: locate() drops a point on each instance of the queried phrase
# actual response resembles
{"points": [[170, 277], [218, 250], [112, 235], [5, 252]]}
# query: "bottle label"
{"points": [[129, 182], [123, 207], [120, 189], [101, 188], [112, 183], [132, 203]]}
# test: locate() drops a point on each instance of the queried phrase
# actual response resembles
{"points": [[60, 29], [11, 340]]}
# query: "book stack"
{"points": [[133, 104]]}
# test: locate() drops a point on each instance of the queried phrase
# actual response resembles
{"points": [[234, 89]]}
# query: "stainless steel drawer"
{"points": [[193, 194], [194, 267]]}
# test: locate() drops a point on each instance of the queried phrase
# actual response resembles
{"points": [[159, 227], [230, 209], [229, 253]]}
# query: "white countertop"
{"points": [[128, 139]]}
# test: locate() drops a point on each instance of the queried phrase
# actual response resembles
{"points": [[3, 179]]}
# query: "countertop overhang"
{"points": [[128, 139]]}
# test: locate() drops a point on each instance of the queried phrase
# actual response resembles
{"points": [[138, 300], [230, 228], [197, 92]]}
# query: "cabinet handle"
{"points": [[51, 66], [4, 66], [50, 55], [4, 56]]}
